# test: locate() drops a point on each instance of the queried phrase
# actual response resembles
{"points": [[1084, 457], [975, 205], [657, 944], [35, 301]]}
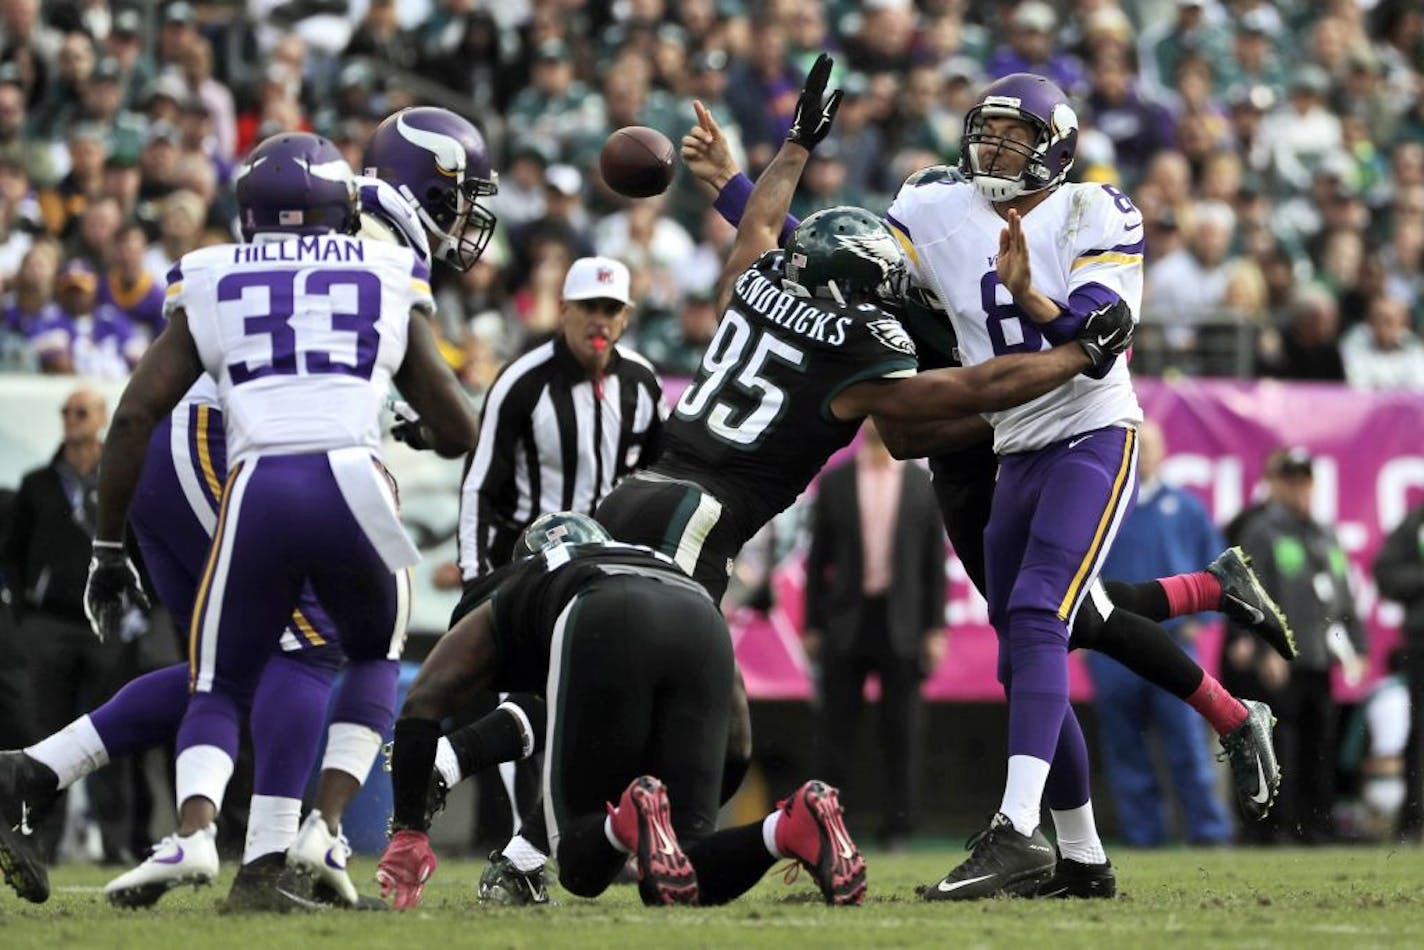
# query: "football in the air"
{"points": [[637, 162]]}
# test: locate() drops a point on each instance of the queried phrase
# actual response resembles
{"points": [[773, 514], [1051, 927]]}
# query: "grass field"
{"points": [[1344, 898]]}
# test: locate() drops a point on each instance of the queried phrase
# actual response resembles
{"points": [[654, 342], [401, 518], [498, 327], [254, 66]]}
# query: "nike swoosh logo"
{"points": [[664, 842], [331, 863], [171, 859], [24, 826], [945, 887], [1078, 441], [1254, 612], [1263, 794], [1105, 340], [843, 842], [1133, 227]]}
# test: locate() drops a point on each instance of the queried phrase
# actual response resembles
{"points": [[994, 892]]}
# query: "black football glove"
{"points": [[113, 589], [814, 111], [1106, 332], [408, 428]]}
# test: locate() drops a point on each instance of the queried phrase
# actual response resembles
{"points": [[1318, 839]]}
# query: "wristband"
{"points": [[732, 199]]}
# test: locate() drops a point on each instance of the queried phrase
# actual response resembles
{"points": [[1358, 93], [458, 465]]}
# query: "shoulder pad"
{"points": [[934, 174]]}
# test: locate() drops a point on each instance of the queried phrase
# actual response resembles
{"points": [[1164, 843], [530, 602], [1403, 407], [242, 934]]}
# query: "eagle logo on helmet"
{"points": [[878, 247]]}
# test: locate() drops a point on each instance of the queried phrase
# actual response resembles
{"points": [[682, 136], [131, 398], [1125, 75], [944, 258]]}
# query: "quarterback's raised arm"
{"points": [[760, 229]]}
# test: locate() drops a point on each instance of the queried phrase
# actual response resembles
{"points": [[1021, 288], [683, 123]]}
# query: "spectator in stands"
{"points": [[1254, 60], [1383, 352], [1162, 45], [158, 164], [15, 240], [379, 35], [102, 103], [77, 338], [65, 202], [1301, 132], [75, 67], [883, 40], [1168, 532], [824, 183], [94, 238], [180, 225], [22, 28], [30, 305], [762, 91], [125, 45], [555, 107], [1138, 127], [196, 67], [650, 243], [127, 285], [179, 29], [1307, 349], [1032, 49], [676, 345], [122, 180], [30, 152], [1187, 287]]}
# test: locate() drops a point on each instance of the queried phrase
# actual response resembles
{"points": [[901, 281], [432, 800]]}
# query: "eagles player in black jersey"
{"points": [[636, 662], [803, 352]]}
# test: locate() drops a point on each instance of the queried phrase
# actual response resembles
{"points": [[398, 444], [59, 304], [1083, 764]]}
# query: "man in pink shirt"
{"points": [[875, 592]]}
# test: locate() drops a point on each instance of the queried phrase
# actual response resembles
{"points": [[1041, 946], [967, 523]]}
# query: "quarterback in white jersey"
{"points": [[1085, 247], [1019, 260], [303, 329]]}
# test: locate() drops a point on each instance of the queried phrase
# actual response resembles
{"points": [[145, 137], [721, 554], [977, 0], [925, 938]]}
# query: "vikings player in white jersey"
{"points": [[173, 516], [303, 330], [1018, 259]]}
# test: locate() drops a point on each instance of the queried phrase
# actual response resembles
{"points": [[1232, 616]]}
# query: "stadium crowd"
{"points": [[1276, 150]]}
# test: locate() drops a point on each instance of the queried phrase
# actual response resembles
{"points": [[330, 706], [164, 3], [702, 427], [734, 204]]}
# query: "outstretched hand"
{"points": [[1013, 264], [705, 151], [814, 110]]}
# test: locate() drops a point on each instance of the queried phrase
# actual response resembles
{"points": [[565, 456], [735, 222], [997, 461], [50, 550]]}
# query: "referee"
{"points": [[562, 423]]}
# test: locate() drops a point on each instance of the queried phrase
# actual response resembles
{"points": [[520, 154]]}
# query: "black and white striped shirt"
{"points": [[552, 439]]}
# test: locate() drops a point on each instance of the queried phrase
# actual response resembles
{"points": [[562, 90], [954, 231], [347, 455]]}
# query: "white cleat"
{"points": [[175, 861], [319, 857]]}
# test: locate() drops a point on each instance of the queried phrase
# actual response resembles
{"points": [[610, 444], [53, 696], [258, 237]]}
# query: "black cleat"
{"points": [[1246, 602], [1002, 862], [503, 883], [1252, 754], [1076, 879], [254, 889], [28, 789]]}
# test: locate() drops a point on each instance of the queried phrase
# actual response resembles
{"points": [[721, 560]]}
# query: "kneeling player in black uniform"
{"points": [[636, 663]]}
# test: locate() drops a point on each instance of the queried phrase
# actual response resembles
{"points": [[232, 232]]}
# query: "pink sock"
{"points": [[1217, 706], [1191, 593]]}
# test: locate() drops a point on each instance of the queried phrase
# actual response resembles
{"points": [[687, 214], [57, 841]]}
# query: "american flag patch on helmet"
{"points": [[290, 218]]}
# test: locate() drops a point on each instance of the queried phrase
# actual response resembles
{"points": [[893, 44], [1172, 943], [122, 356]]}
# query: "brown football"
{"points": [[637, 162]]}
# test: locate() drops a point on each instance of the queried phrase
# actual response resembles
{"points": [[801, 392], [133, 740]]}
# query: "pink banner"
{"points": [[1369, 472]]}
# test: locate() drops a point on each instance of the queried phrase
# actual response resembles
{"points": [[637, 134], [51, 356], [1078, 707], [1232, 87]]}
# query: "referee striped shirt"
{"points": [[552, 439]]}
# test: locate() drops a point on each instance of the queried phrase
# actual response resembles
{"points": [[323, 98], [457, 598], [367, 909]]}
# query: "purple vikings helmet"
{"points": [[296, 183], [1041, 104], [440, 163]]}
